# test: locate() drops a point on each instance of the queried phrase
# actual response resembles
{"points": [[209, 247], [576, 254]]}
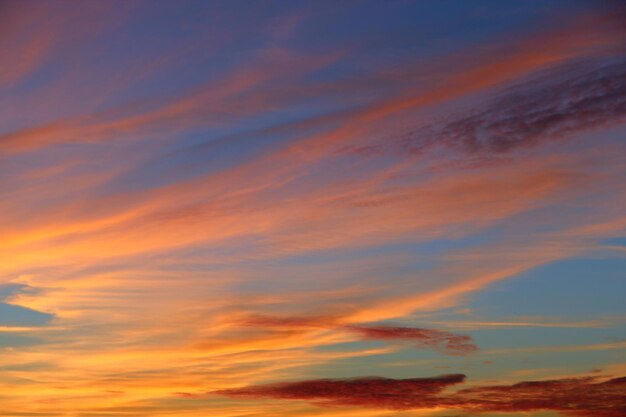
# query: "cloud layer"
{"points": [[211, 194], [389, 393], [575, 396], [444, 342], [553, 107]]}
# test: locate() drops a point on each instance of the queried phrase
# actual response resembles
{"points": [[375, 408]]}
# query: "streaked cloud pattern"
{"points": [[311, 208]]}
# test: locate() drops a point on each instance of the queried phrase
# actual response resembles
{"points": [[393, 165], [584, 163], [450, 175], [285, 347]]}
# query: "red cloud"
{"points": [[577, 397], [369, 392], [447, 342]]}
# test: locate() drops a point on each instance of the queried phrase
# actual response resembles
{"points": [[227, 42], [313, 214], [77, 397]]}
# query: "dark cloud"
{"points": [[550, 107], [578, 397], [373, 392], [446, 342], [575, 396]]}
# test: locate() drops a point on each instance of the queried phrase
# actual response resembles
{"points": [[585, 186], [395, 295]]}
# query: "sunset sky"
{"points": [[312, 208]]}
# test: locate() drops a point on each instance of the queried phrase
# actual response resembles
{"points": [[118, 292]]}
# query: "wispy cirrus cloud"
{"points": [[157, 201], [211, 103], [245, 92], [446, 342], [542, 110], [423, 338]]}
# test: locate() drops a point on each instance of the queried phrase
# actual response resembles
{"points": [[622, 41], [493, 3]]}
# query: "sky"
{"points": [[312, 208]]}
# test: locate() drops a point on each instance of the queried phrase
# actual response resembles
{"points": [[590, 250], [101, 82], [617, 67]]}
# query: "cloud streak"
{"points": [[574, 396], [533, 113], [446, 342], [442, 341], [169, 169], [375, 392]]}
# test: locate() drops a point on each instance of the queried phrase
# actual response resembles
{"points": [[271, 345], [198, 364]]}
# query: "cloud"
{"points": [[446, 342], [253, 90], [442, 341], [537, 111], [260, 320], [583, 397], [367, 392], [207, 104], [32, 34], [575, 396], [140, 270]]}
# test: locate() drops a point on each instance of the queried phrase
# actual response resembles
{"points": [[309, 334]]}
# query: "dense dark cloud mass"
{"points": [[540, 110], [369, 392], [576, 397], [582, 397]]}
